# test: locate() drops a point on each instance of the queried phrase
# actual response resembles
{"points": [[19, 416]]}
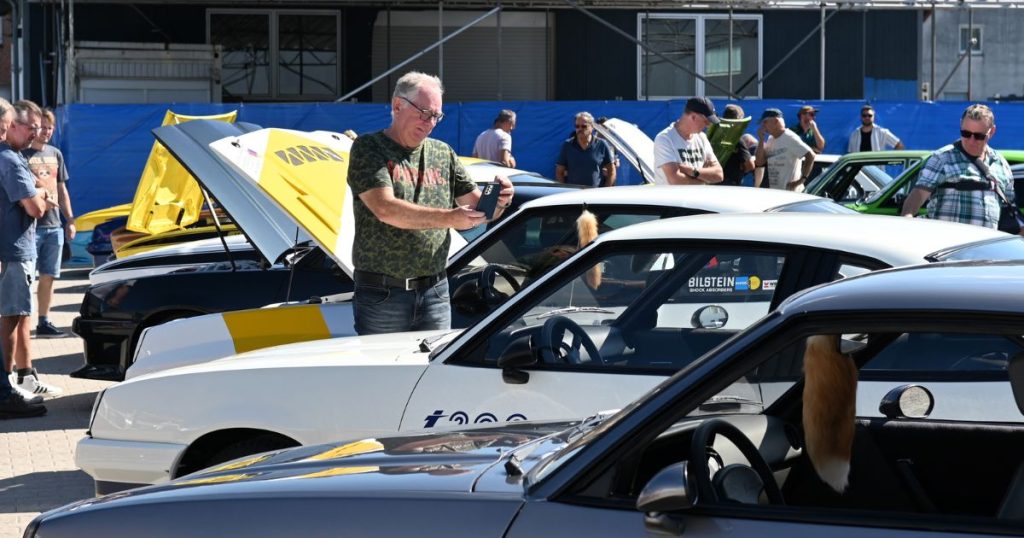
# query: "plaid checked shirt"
{"points": [[950, 165]]}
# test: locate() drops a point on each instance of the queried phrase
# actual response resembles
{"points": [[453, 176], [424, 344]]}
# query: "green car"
{"points": [[877, 182]]}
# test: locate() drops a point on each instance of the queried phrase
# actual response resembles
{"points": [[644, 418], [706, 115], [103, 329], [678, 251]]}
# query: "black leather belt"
{"points": [[966, 185], [367, 278]]}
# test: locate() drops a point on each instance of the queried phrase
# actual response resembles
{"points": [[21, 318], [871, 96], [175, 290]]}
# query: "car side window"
{"points": [[944, 356]]}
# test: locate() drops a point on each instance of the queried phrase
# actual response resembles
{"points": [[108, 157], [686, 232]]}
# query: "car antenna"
{"points": [[291, 270], [220, 231]]}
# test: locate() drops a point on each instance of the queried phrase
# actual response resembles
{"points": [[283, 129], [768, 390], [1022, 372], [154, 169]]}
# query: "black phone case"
{"points": [[489, 200]]}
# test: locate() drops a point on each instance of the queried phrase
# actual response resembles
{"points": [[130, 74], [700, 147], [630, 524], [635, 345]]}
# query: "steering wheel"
{"points": [[485, 284], [751, 479], [553, 348]]}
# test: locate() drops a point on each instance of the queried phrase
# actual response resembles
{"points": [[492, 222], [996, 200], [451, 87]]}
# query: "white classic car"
{"points": [[522, 246], [592, 334]]}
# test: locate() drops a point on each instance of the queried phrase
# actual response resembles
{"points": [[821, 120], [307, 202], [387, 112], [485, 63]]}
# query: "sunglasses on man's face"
{"points": [[867, 115], [980, 137]]}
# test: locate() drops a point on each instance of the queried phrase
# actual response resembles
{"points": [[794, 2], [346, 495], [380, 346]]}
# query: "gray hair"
{"points": [[979, 112], [505, 115], [586, 117], [411, 83], [5, 106], [23, 108]]}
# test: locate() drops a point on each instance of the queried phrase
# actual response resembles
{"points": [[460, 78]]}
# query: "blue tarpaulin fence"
{"points": [[106, 145]]}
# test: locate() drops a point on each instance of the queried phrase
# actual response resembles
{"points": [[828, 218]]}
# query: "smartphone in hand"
{"points": [[488, 203]]}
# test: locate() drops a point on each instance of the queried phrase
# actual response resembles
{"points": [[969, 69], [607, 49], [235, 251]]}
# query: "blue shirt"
{"points": [[17, 228], [584, 165]]}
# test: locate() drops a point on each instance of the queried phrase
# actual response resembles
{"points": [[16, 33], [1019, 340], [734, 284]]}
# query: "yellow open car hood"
{"points": [[168, 197]]}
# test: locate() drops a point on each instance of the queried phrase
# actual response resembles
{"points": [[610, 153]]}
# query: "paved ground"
{"points": [[37, 455]]}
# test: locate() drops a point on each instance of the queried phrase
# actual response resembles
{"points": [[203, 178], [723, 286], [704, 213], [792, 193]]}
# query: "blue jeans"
{"points": [[380, 310], [49, 247]]}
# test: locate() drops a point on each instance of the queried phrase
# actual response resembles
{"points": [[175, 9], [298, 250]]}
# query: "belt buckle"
{"points": [[408, 284]]}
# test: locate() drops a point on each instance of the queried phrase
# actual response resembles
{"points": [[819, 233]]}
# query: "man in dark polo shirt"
{"points": [[584, 158]]}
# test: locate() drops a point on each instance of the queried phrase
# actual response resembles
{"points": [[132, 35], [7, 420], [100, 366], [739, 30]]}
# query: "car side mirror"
{"points": [[907, 401], [710, 317], [517, 354], [668, 491]]}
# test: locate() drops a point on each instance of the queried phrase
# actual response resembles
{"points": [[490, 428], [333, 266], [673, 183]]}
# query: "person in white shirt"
{"points": [[782, 153], [682, 153], [871, 137], [495, 144]]}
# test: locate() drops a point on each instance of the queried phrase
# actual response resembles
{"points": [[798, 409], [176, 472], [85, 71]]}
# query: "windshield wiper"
{"points": [[427, 344], [572, 310], [721, 403]]}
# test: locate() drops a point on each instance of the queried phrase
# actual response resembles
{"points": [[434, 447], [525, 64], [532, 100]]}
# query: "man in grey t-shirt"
{"points": [[495, 144]]}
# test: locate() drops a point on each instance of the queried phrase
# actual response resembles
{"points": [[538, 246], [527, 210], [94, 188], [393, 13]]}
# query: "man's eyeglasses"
{"points": [[426, 114], [867, 115], [980, 137], [582, 125], [33, 128]]}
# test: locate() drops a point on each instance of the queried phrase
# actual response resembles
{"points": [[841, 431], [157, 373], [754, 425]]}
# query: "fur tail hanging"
{"points": [[586, 231], [829, 410]]}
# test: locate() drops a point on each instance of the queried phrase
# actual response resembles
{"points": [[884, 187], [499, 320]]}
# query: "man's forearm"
{"points": [[914, 201]]}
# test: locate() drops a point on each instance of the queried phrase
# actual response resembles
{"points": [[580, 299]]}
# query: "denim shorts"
{"points": [[49, 246], [16, 288]]}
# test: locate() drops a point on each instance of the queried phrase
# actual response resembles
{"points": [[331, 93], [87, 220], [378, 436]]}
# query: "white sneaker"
{"points": [[26, 395], [33, 386]]}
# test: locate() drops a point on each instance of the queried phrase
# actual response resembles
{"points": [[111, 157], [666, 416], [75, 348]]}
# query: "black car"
{"points": [[759, 437]]}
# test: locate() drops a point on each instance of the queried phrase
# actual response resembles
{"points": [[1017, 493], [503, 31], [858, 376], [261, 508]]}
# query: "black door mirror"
{"points": [[517, 354]]}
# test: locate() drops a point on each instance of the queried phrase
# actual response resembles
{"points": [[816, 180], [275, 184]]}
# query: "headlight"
{"points": [[95, 407]]}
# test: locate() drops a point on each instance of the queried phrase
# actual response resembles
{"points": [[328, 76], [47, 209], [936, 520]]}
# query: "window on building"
{"points": [[972, 35], [272, 54], [701, 44]]}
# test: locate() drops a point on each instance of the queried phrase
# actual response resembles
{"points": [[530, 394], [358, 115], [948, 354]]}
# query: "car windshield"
{"points": [[1010, 248], [814, 206], [540, 238], [641, 310]]}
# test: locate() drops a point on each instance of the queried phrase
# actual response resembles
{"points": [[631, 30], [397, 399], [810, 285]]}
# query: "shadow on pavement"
{"points": [[64, 413], [71, 290], [35, 492], [61, 364]]}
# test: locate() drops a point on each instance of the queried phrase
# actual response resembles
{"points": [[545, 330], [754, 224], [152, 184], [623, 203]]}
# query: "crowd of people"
{"points": [[35, 196], [410, 189]]}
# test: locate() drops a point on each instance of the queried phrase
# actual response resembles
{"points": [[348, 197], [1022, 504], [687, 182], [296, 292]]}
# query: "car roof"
{"points": [[971, 286], [894, 153], [894, 240], [713, 198]]}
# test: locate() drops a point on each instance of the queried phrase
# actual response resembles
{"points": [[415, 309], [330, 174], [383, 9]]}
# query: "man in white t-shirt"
{"points": [[782, 153], [682, 153], [495, 144]]}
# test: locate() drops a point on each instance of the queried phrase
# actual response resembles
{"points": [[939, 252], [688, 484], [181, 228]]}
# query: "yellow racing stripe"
{"points": [[265, 327]]}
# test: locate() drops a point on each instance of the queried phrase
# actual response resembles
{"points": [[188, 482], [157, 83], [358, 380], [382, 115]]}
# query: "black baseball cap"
{"points": [[771, 113], [702, 106]]}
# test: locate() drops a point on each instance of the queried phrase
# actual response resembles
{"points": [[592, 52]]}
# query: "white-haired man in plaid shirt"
{"points": [[958, 190]]}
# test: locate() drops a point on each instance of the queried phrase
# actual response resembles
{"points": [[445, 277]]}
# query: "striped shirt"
{"points": [[979, 207]]}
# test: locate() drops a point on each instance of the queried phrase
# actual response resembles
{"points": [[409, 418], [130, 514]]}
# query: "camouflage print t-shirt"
{"points": [[377, 161]]}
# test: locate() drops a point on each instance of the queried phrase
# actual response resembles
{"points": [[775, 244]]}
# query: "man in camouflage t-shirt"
{"points": [[409, 190]]}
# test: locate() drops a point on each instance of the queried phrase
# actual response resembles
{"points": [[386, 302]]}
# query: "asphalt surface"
{"points": [[37, 455]]}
